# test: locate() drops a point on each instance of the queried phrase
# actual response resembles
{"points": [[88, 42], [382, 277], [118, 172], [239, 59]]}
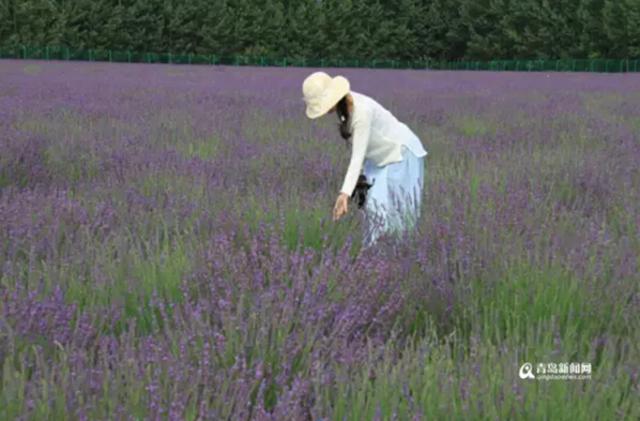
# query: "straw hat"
{"points": [[321, 92]]}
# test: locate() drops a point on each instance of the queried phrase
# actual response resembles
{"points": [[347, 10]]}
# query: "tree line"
{"points": [[345, 29]]}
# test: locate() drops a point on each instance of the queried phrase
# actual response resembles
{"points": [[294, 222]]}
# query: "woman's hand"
{"points": [[341, 207]]}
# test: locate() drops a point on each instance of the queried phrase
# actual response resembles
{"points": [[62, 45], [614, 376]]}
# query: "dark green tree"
{"points": [[339, 29], [403, 29], [615, 19], [445, 33], [184, 26], [336, 18], [270, 28], [35, 22], [633, 23], [485, 21], [217, 29], [591, 42]]}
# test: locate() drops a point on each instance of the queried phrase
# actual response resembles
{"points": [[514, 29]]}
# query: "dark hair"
{"points": [[342, 108]]}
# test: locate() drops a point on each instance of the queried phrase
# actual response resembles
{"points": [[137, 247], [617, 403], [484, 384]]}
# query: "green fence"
{"points": [[561, 65]]}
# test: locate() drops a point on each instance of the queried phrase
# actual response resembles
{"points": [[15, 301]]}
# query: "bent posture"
{"points": [[383, 149]]}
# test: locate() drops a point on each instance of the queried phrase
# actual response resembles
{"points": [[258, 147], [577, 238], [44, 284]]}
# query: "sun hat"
{"points": [[321, 92]]}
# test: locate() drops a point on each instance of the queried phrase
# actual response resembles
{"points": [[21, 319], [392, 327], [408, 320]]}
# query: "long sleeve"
{"points": [[361, 132]]}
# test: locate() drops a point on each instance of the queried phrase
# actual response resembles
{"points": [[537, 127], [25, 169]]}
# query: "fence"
{"points": [[560, 65]]}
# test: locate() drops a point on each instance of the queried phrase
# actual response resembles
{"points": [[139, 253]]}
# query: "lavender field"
{"points": [[167, 249]]}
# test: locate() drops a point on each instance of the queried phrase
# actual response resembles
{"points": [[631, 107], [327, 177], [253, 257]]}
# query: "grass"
{"points": [[472, 126], [205, 149], [517, 259], [532, 314]]}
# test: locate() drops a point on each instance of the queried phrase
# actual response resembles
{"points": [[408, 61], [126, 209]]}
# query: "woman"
{"points": [[388, 153]]}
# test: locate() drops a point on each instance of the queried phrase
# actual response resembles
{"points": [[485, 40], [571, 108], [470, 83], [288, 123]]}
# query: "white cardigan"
{"points": [[376, 135]]}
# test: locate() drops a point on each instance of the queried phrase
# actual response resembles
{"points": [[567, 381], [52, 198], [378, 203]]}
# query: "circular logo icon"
{"points": [[526, 371]]}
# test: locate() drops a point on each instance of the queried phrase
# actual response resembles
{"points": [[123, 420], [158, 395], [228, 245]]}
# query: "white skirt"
{"points": [[394, 201]]}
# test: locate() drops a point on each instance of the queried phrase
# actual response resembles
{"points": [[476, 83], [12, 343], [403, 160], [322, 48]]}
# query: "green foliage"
{"points": [[333, 29], [621, 20]]}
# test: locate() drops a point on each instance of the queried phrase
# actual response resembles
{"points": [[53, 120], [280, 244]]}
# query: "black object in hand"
{"points": [[360, 191]]}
